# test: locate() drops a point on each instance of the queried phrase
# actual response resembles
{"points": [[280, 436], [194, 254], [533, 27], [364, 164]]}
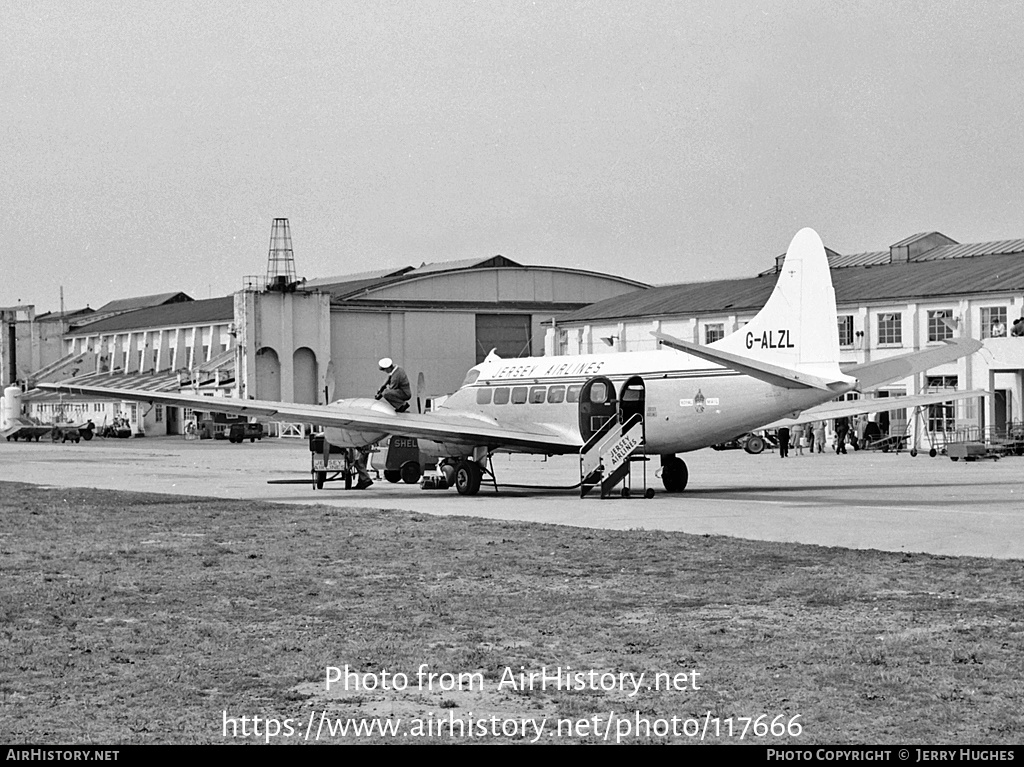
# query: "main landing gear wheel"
{"points": [[674, 474], [755, 445], [467, 477], [392, 475]]}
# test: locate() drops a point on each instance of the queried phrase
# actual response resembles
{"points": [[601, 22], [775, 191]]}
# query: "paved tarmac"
{"points": [[861, 500]]}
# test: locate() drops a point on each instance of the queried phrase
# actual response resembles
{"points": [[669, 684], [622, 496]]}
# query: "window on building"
{"points": [[159, 413], [993, 321], [845, 322], [941, 417], [561, 341], [940, 324], [890, 328], [714, 331]]}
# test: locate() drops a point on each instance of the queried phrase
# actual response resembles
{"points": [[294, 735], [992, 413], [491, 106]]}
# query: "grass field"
{"points": [[134, 618]]}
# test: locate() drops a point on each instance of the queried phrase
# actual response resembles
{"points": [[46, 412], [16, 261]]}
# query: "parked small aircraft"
{"points": [[784, 363]]}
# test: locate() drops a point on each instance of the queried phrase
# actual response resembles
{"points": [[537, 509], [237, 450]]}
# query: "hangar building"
{"points": [[302, 340]]}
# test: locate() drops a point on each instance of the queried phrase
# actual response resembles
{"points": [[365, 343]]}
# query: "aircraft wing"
{"points": [[846, 408], [438, 427], [870, 374]]}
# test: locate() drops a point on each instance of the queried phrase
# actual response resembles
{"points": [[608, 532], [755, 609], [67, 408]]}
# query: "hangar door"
{"points": [[508, 333]]}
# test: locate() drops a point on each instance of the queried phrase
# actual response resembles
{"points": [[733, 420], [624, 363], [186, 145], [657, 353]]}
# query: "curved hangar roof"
{"points": [[454, 284]]}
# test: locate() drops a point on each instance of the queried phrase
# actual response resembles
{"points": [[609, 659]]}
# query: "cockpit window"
{"points": [[471, 377]]}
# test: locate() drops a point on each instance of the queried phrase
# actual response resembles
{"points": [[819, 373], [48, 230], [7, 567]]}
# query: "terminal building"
{"points": [[918, 292]]}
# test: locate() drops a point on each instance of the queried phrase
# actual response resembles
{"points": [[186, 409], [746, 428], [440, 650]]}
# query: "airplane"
{"points": [[784, 363]]}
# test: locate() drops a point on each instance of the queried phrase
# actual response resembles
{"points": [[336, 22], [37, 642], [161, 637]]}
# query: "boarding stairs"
{"points": [[608, 456]]}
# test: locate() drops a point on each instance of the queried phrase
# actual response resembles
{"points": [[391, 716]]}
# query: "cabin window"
{"points": [[633, 394], [599, 392], [538, 394], [572, 394], [556, 394], [519, 395], [483, 396], [501, 395]]}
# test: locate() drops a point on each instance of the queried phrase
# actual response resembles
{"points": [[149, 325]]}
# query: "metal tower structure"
{"points": [[281, 260]]}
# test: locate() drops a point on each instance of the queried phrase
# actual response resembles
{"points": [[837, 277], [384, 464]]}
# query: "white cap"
{"points": [[384, 363]]}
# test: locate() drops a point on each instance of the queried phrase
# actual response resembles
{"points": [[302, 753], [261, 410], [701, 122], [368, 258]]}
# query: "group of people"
{"points": [[812, 436], [998, 329]]}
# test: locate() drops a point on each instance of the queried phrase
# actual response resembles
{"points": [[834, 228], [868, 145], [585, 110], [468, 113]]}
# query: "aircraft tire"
{"points": [[755, 445], [392, 475], [674, 474], [467, 478], [410, 472]]}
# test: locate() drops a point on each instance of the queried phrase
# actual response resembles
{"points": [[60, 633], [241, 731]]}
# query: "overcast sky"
{"points": [[147, 146]]}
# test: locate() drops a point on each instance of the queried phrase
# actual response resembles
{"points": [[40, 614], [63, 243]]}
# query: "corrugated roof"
{"points": [[143, 302], [1001, 273], [970, 250], [465, 263], [859, 259], [204, 312], [912, 239], [344, 279]]}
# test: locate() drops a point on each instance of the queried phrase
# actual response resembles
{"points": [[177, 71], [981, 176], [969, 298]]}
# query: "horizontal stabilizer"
{"points": [[870, 374], [773, 374]]}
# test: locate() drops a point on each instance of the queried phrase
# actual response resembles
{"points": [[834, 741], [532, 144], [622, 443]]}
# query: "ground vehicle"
{"points": [[239, 432]]}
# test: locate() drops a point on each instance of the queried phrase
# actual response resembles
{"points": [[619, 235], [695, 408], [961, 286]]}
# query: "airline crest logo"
{"points": [[699, 403]]}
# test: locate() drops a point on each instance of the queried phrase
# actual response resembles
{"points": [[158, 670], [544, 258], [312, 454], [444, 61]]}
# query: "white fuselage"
{"points": [[688, 403]]}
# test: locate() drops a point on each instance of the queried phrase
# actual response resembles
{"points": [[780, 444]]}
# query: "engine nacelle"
{"points": [[358, 437]]}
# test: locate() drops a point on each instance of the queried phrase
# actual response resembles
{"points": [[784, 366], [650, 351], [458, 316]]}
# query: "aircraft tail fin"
{"points": [[796, 329]]}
